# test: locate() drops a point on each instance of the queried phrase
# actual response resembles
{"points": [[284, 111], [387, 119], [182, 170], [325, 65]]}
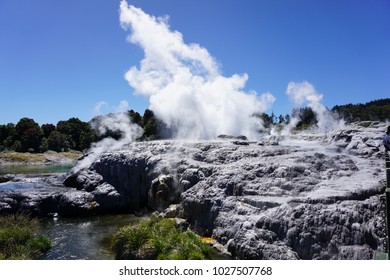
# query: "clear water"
{"points": [[35, 169], [89, 238], [73, 238], [83, 238]]}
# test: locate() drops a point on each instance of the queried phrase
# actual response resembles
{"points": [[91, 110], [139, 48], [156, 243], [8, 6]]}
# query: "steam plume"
{"points": [[115, 122], [305, 93], [184, 84]]}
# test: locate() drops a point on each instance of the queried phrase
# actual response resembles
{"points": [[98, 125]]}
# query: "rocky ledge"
{"points": [[310, 197]]}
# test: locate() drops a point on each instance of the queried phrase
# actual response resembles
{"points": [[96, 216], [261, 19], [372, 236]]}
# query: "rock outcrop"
{"points": [[5, 178], [35, 195], [310, 197]]}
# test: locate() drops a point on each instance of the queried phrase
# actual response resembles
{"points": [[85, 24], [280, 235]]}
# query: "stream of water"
{"points": [[71, 238], [74, 238], [83, 238]]}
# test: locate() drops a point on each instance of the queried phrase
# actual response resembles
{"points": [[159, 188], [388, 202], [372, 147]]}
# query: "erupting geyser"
{"points": [[184, 84], [188, 92]]}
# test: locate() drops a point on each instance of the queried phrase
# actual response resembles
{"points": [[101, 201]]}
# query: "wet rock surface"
{"points": [[5, 178], [310, 197], [37, 195]]}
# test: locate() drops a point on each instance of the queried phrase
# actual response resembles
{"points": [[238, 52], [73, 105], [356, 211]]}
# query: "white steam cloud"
{"points": [[184, 84], [97, 110], [188, 92], [118, 123], [122, 107], [305, 93]]}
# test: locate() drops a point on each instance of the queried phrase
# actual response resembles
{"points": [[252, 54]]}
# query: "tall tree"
{"points": [[47, 129], [150, 125], [281, 119], [57, 142], [267, 120], [87, 136], [135, 117], [30, 134], [307, 117], [73, 129], [7, 136]]}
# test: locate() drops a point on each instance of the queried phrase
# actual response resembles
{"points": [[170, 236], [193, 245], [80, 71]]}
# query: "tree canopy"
{"points": [[377, 110]]}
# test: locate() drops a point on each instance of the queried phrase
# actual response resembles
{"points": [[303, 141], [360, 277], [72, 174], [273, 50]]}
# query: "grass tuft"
{"points": [[158, 239], [19, 239]]}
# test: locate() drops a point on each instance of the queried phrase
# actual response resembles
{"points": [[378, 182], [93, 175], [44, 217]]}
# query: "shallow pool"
{"points": [[35, 169]]}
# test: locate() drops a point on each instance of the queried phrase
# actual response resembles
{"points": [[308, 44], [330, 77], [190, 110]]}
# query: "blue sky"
{"points": [[58, 59]]}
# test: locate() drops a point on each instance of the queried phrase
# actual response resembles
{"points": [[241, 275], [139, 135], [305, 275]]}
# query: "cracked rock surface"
{"points": [[310, 197]]}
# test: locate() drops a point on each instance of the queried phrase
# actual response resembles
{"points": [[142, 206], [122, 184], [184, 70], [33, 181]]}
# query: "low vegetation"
{"points": [[19, 238], [39, 158], [158, 239], [21, 157]]}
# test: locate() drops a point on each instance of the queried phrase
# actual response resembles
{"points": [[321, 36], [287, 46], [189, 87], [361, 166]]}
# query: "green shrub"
{"points": [[19, 239], [129, 239], [158, 239]]}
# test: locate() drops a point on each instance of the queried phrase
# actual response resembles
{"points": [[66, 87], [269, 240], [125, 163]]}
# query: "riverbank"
{"points": [[19, 238], [49, 157]]}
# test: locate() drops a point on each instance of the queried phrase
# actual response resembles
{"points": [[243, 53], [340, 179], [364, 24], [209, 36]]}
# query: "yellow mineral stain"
{"points": [[208, 240]]}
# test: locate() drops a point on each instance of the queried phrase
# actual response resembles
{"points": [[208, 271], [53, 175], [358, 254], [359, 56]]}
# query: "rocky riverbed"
{"points": [[313, 196]]}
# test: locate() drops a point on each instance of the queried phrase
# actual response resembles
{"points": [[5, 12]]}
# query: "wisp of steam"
{"points": [[118, 123], [305, 93], [184, 84]]}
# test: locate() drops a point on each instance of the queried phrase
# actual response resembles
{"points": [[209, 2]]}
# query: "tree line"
{"points": [[377, 110], [74, 134], [306, 116], [28, 136]]}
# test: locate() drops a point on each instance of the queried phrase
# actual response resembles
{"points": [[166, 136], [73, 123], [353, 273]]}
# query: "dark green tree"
{"points": [[154, 128], [307, 117], [150, 125], [57, 142], [273, 118], [44, 145], [287, 118], [281, 119], [267, 120], [29, 133], [73, 129], [47, 129], [377, 110], [135, 117], [17, 146], [7, 136], [87, 137]]}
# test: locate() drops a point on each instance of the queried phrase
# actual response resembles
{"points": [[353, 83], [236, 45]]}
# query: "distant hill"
{"points": [[377, 110]]}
